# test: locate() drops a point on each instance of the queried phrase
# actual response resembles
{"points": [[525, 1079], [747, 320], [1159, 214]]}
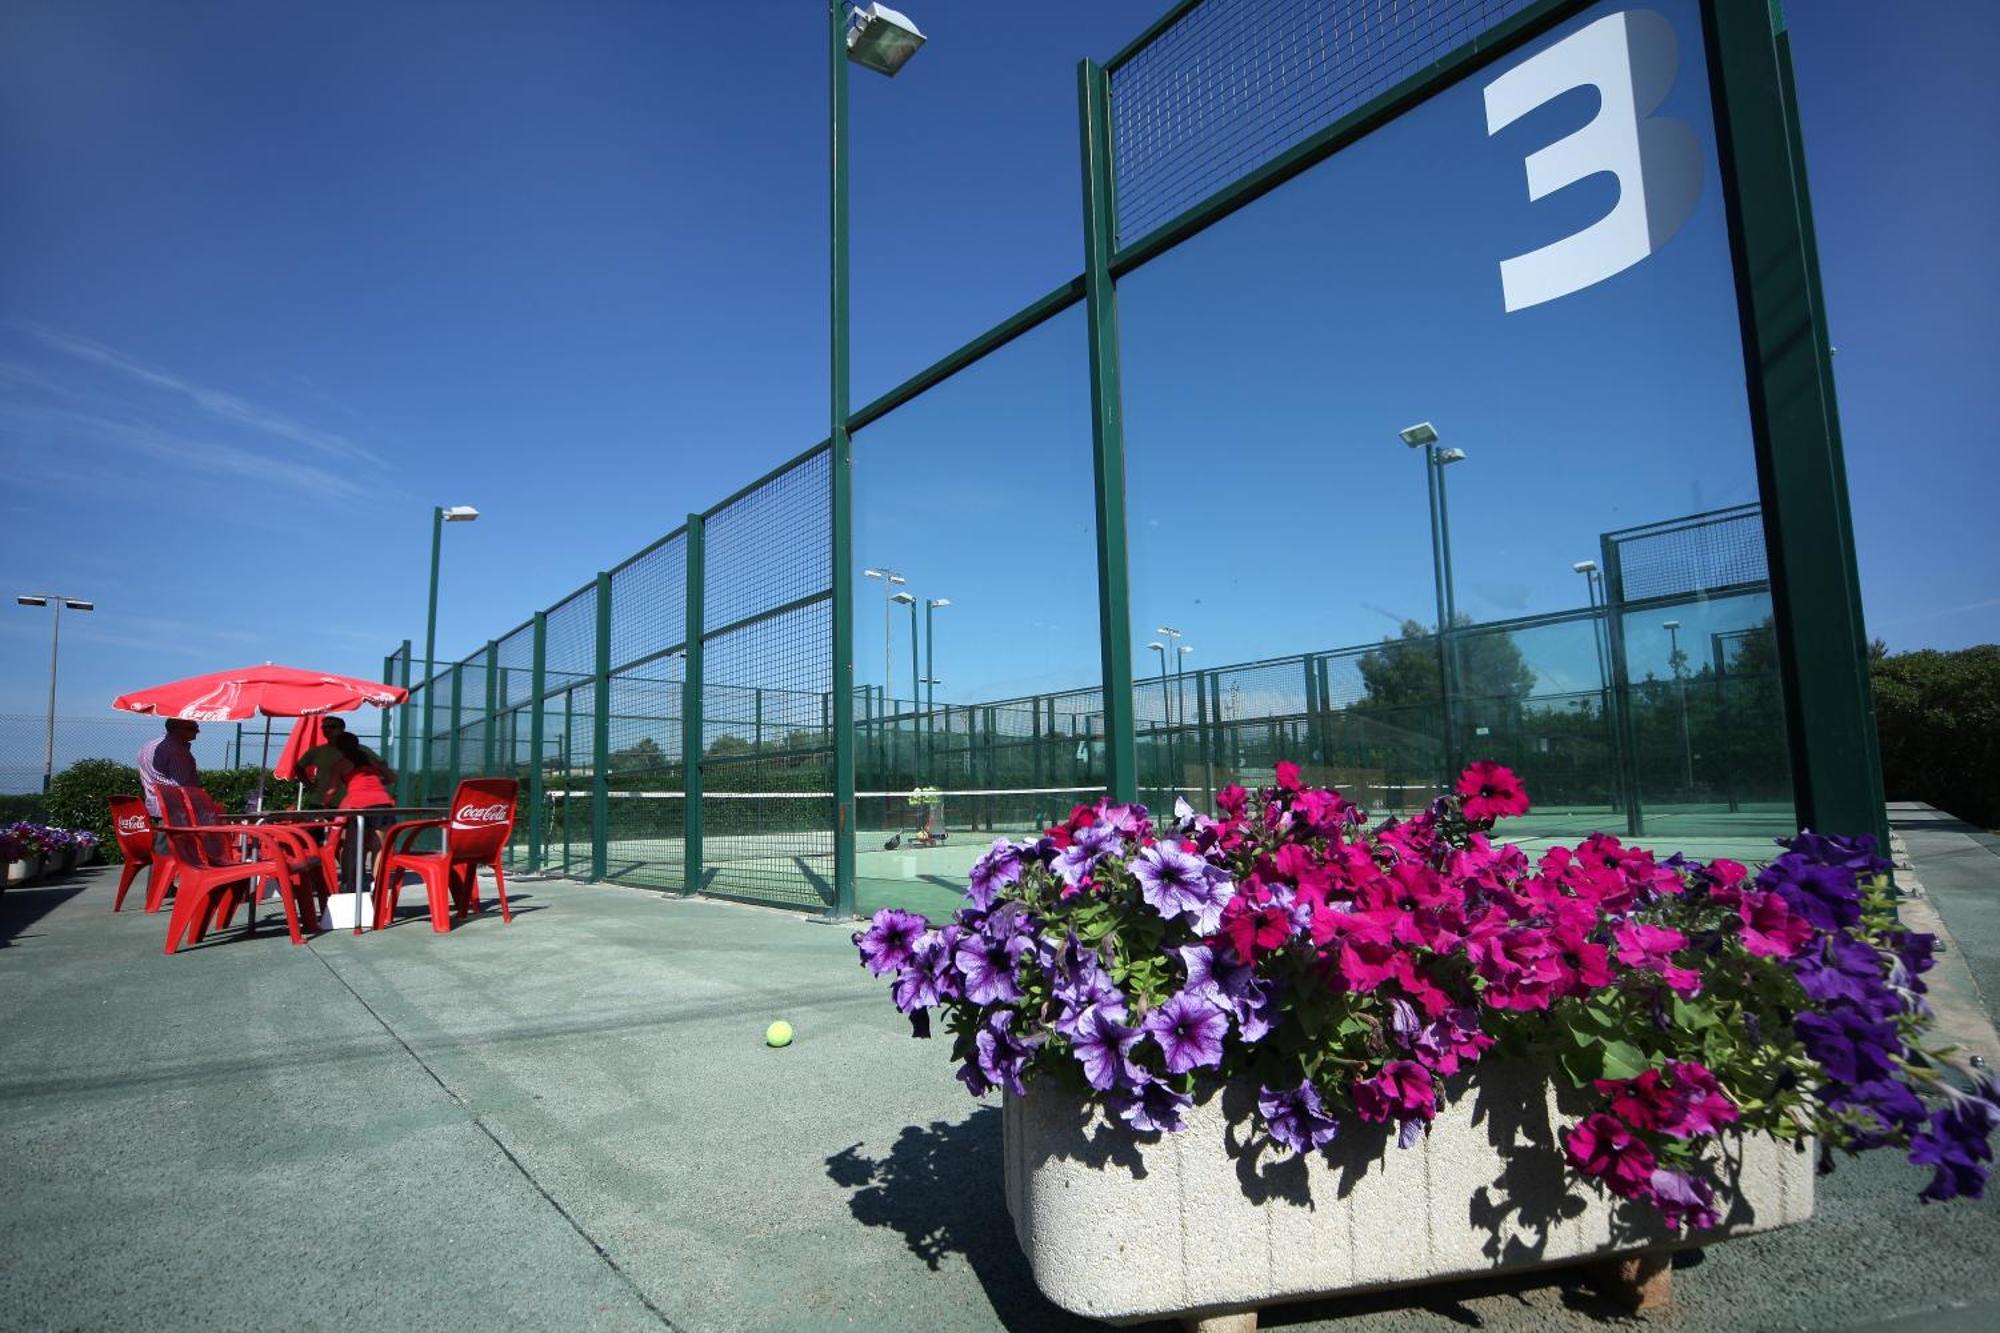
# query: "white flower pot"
{"points": [[1190, 1225], [20, 872]]}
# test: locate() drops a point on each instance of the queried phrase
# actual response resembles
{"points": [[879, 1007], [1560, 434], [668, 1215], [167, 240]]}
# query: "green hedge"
{"points": [[79, 796], [1938, 715]]}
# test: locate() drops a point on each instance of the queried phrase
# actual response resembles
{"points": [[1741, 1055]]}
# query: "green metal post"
{"points": [[841, 469], [537, 797], [1621, 684], [1312, 710], [430, 651], [1107, 433], [1822, 639], [457, 721], [388, 678], [691, 705], [490, 733], [1205, 737], [409, 786], [568, 770], [600, 735]]}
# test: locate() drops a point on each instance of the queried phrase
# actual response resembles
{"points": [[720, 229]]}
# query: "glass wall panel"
{"points": [[977, 669], [1390, 397]]}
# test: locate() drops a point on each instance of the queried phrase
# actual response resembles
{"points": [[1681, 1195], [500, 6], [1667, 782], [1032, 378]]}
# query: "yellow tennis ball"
{"points": [[778, 1034]]}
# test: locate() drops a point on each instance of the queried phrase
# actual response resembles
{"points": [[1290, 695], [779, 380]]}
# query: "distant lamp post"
{"points": [[1679, 665], [929, 682], [440, 515], [1165, 713], [1424, 436], [60, 603], [891, 581], [916, 687]]}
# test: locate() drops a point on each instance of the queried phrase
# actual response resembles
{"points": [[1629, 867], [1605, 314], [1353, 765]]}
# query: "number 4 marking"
{"points": [[1631, 59]]}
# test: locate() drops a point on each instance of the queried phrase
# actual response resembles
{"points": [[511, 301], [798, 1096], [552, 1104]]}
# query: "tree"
{"points": [[1938, 716], [641, 756], [1404, 671]]}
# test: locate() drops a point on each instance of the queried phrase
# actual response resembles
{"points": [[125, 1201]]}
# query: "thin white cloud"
{"points": [[1960, 609], [223, 406], [179, 455]]}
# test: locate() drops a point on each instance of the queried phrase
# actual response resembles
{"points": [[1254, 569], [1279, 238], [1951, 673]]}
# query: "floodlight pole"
{"points": [[461, 513], [58, 601], [841, 469], [1440, 576], [1679, 664]]}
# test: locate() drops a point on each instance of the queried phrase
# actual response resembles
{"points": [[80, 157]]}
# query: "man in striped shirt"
{"points": [[168, 761]]}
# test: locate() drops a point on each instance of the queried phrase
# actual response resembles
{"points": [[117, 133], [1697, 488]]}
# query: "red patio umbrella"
{"points": [[273, 691]]}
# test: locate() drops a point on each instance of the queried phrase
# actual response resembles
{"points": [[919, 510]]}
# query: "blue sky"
{"points": [[274, 280]]}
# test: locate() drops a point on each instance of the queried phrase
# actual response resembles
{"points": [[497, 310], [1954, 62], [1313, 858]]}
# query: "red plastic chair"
{"points": [[221, 864], [476, 835], [133, 828]]}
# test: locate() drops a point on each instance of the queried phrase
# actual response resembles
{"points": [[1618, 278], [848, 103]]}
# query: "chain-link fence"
{"points": [[674, 722]]}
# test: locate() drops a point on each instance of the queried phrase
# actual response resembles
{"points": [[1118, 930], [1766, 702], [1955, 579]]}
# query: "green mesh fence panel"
{"points": [[1699, 553], [767, 769], [646, 784], [1234, 83], [514, 658]]}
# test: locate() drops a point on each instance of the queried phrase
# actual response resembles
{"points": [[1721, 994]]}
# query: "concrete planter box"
{"points": [[1190, 1225], [23, 870]]}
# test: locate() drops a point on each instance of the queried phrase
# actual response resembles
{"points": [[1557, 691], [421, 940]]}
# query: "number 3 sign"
{"points": [[1630, 58]]}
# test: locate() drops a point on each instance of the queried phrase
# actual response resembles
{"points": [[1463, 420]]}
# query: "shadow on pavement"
{"points": [[23, 905], [939, 1186]]}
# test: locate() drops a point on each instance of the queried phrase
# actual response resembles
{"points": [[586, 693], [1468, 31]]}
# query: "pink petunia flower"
{"points": [[1604, 1148], [1491, 791], [1769, 927]]}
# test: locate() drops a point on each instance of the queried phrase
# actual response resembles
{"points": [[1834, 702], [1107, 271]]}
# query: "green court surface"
{"points": [[794, 867]]}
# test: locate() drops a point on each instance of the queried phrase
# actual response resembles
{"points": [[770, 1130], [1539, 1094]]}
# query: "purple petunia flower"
{"points": [[1081, 984], [992, 872], [1189, 1030], [1853, 1047], [1956, 1145], [1103, 1044], [1233, 986], [987, 965], [1296, 1119], [1149, 1106], [1683, 1200], [1074, 863], [1840, 967], [1000, 1054], [1825, 895], [930, 978], [1129, 820], [1180, 884], [890, 940]]}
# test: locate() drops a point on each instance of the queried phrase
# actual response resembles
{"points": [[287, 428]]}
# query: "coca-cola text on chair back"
{"points": [[482, 818], [131, 827]]}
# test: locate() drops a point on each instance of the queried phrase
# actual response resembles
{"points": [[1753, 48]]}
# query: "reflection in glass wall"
{"points": [[1355, 415], [978, 708]]}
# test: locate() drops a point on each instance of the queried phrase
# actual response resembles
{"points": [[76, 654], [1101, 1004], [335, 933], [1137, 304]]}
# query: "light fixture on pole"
{"points": [[1424, 436], [881, 39], [60, 603], [440, 515], [1678, 664]]}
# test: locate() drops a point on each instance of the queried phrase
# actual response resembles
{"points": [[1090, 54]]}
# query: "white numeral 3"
{"points": [[1630, 58]]}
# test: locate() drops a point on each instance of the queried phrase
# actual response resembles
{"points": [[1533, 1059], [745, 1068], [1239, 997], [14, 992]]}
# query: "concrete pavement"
{"points": [[571, 1121]]}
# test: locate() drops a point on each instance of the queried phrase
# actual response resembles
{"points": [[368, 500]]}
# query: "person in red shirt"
{"points": [[364, 782]]}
